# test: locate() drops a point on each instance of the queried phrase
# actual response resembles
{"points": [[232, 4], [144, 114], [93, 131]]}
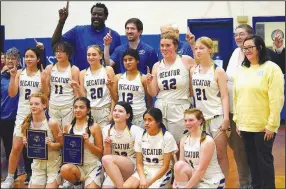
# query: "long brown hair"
{"points": [[27, 121], [200, 116]]}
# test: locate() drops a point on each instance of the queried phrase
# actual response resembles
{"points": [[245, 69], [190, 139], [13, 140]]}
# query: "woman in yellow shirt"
{"points": [[258, 101]]}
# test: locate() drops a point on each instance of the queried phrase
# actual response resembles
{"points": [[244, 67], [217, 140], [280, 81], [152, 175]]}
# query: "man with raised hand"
{"points": [[80, 37]]}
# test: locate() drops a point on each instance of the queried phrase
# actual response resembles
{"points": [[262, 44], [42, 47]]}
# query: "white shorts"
{"points": [[213, 125], [91, 172], [217, 181], [100, 115], [18, 123], [109, 182], [46, 171], [62, 115], [150, 172], [173, 116], [138, 120]]}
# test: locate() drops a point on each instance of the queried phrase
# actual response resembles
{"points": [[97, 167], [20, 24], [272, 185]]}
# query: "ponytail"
{"points": [[90, 122], [204, 133], [26, 124]]}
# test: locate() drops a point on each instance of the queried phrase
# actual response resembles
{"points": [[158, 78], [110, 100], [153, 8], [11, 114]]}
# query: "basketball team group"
{"points": [[148, 119]]}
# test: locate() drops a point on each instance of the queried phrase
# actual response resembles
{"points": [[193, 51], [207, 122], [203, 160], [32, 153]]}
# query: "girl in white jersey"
{"points": [[119, 155], [211, 97], [170, 83], [90, 172], [95, 85], [26, 81], [132, 88], [154, 150], [44, 172], [198, 165], [59, 84]]}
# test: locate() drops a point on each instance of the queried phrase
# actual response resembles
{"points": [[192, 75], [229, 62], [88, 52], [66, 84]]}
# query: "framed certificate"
{"points": [[36, 144], [73, 149]]}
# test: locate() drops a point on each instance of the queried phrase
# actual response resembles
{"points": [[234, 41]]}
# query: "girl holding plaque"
{"points": [[154, 150], [44, 172], [91, 172], [119, 155]]}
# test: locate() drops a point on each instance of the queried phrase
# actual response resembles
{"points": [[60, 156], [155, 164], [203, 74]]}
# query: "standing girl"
{"points": [[211, 97], [154, 150], [132, 88], [26, 81], [95, 84]]}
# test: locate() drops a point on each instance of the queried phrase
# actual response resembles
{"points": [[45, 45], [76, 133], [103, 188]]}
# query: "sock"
{"points": [[11, 176], [181, 184]]}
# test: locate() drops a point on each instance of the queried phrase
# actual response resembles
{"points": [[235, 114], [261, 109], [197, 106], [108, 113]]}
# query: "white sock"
{"points": [[10, 176]]}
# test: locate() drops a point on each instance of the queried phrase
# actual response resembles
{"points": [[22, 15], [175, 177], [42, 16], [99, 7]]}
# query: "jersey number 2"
{"points": [[27, 93]]}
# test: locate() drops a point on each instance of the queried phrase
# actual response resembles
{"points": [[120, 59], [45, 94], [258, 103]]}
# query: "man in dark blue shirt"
{"points": [[133, 31], [82, 36], [183, 49]]}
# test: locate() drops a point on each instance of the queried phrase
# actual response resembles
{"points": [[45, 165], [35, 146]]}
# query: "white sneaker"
{"points": [[67, 184], [7, 183]]}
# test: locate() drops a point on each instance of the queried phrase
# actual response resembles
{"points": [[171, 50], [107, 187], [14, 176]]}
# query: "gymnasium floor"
{"points": [[232, 181]]}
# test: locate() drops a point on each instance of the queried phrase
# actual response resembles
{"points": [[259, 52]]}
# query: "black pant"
{"points": [[7, 129], [27, 161], [260, 159]]}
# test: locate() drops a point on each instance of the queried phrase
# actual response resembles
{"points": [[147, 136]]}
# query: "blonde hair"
{"points": [[208, 42], [97, 48], [200, 116], [27, 121], [172, 36]]}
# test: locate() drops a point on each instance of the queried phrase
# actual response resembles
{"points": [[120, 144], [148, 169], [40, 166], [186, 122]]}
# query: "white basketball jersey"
{"points": [[61, 93], [192, 156], [27, 85], [154, 147], [173, 81], [96, 89], [88, 156], [206, 92], [123, 143], [132, 92]]}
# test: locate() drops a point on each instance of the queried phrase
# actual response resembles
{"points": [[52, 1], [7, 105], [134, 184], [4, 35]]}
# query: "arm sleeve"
{"points": [[70, 36], [276, 98]]}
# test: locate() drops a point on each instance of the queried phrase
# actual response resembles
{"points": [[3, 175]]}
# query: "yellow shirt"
{"points": [[258, 97]]}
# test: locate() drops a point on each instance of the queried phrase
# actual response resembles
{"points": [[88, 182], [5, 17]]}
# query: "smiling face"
{"points": [[132, 32], [167, 47], [36, 105], [250, 50], [80, 109], [98, 18], [130, 63], [31, 59], [192, 124], [119, 114], [93, 56]]}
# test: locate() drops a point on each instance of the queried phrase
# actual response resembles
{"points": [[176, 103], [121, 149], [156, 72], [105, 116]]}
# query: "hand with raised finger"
{"points": [[64, 12], [107, 141], [13, 71], [108, 38], [190, 38], [74, 84], [149, 76], [39, 45], [109, 82]]}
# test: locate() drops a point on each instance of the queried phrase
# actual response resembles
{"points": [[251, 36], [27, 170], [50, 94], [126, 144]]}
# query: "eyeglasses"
{"points": [[249, 49], [241, 35]]}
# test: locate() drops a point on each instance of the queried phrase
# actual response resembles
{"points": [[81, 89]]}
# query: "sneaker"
{"points": [[27, 180], [7, 183], [67, 184], [79, 186]]}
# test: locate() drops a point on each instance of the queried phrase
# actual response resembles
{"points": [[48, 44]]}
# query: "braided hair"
{"points": [[200, 116], [90, 119]]}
